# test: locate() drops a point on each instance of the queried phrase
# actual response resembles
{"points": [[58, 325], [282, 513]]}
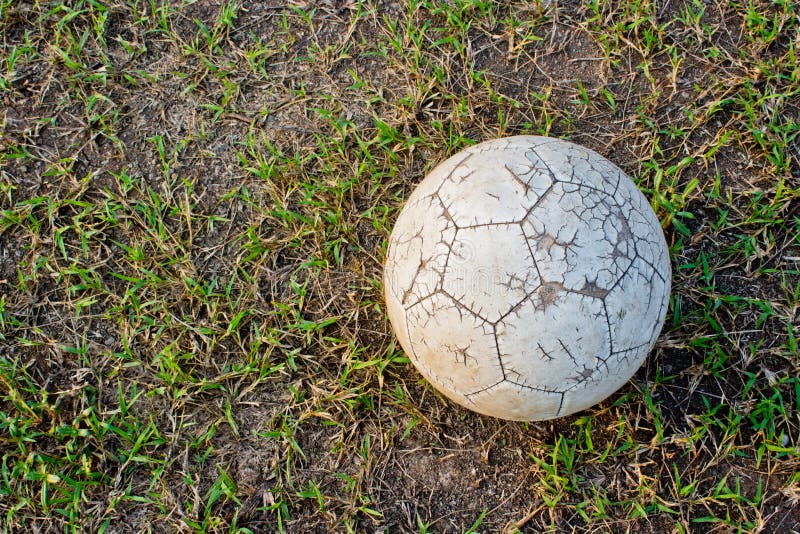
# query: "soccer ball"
{"points": [[527, 278]]}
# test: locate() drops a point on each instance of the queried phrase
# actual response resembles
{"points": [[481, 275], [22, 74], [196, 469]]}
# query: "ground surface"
{"points": [[194, 205]]}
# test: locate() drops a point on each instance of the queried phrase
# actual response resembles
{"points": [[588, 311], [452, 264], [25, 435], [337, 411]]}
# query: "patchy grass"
{"points": [[194, 203]]}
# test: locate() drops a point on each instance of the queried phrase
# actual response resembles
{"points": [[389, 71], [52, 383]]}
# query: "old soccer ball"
{"points": [[527, 278]]}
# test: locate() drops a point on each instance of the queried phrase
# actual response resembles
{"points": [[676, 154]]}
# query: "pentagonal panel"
{"points": [[574, 239], [636, 307], [418, 251], [489, 270], [516, 402], [492, 186], [575, 164], [452, 345], [553, 340]]}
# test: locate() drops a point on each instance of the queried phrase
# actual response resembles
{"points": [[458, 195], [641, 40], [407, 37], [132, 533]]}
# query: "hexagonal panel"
{"points": [[489, 270], [516, 402], [491, 189], [583, 394], [454, 345], [555, 337], [416, 258], [639, 298], [651, 245]]}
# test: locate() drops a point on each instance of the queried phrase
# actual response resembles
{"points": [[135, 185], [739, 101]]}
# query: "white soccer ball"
{"points": [[527, 278]]}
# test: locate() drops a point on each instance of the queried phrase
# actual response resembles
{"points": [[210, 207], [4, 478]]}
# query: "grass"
{"points": [[195, 200]]}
